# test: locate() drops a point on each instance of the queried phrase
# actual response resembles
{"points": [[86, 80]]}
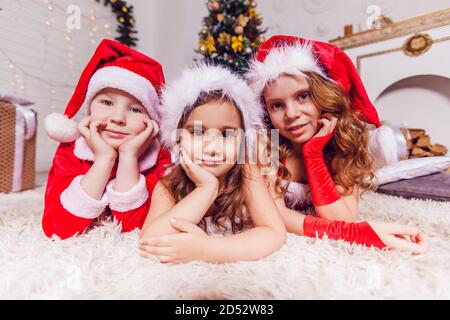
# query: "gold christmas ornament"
{"points": [[242, 20], [224, 38], [208, 43], [204, 31], [220, 17], [202, 50], [121, 20], [252, 13], [237, 43], [124, 9]]}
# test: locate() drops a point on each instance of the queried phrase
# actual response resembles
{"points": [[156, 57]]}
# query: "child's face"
{"points": [[212, 136], [291, 108], [123, 114]]}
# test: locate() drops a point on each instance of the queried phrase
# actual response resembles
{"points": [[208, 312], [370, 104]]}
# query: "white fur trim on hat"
{"points": [[293, 60], [60, 128], [179, 98], [128, 81]]}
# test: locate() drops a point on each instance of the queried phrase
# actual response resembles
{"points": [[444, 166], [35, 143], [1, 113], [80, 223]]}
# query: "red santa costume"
{"points": [[69, 210]]}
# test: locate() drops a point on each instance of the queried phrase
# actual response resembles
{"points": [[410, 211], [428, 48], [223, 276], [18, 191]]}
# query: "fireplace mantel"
{"points": [[416, 46]]}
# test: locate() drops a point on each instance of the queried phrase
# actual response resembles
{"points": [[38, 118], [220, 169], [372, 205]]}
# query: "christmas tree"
{"points": [[231, 33]]}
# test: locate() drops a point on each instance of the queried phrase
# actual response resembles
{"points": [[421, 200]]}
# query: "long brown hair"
{"points": [[229, 204], [347, 154]]}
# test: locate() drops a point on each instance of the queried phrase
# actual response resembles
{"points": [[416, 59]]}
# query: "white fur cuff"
{"points": [[75, 200], [131, 199]]}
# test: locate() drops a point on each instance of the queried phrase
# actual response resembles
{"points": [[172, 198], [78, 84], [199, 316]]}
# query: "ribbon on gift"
{"points": [[25, 129]]}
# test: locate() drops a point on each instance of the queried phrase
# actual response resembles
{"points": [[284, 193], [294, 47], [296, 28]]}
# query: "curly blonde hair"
{"points": [[229, 204], [347, 154]]}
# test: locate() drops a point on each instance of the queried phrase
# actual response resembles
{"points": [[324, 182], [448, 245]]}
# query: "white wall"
{"points": [[168, 31], [41, 59], [419, 102]]}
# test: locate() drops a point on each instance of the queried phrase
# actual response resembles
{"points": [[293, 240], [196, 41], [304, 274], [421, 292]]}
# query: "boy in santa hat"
{"points": [[111, 159]]}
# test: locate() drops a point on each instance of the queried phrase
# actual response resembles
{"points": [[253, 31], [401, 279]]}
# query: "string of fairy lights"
{"points": [[38, 49], [41, 58]]}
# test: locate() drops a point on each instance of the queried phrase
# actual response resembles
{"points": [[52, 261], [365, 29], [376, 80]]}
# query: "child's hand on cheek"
{"points": [[136, 146], [326, 125], [91, 132], [200, 176]]}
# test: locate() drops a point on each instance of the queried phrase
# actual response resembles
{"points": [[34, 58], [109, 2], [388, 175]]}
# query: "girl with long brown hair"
{"points": [[207, 114], [313, 96]]}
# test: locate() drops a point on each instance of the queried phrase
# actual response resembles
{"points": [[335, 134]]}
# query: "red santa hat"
{"points": [[293, 55], [113, 65], [180, 96]]}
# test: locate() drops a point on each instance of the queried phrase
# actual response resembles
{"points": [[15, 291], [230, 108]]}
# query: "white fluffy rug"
{"points": [[105, 264]]}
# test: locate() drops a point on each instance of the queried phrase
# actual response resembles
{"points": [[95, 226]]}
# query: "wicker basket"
{"points": [[7, 151]]}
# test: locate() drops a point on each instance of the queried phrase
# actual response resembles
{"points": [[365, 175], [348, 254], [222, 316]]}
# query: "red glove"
{"points": [[353, 232], [323, 190]]}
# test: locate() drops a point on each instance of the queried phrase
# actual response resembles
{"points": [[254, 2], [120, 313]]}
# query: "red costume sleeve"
{"points": [[135, 217], [61, 217]]}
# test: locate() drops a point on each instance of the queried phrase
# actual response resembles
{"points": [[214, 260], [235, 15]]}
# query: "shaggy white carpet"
{"points": [[105, 264]]}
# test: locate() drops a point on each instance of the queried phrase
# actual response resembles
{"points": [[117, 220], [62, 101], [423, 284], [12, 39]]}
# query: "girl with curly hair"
{"points": [[314, 97], [207, 114]]}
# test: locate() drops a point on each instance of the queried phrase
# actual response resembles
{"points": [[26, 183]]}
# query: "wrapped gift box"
{"points": [[18, 123]]}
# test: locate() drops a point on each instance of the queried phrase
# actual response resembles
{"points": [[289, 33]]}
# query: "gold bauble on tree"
{"points": [[202, 49], [224, 38]]}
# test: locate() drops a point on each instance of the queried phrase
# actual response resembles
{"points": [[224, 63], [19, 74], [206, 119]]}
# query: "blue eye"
{"points": [[135, 110], [197, 133], [106, 102], [228, 133]]}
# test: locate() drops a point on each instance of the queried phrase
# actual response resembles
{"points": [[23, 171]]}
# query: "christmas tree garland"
{"points": [[124, 15]]}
